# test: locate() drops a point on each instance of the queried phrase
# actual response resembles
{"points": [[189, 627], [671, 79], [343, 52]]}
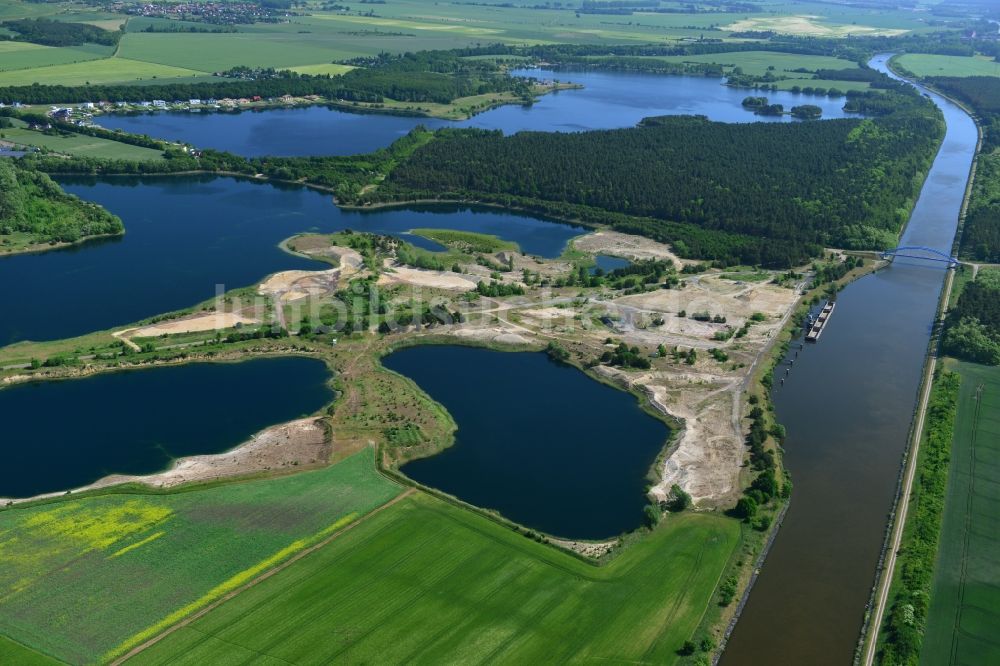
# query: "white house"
{"points": [[159, 103]]}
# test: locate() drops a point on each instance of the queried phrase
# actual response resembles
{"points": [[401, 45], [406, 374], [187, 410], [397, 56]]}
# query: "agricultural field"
{"points": [[331, 69], [758, 63], [922, 64], [79, 145], [965, 602], [89, 578], [107, 70], [25, 55], [426, 582]]}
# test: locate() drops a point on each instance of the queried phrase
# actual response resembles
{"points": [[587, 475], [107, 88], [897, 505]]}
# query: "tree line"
{"points": [[58, 33]]}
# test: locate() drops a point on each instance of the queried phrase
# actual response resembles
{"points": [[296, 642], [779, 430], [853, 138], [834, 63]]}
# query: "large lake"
{"points": [[538, 441], [185, 235], [607, 100], [64, 434]]}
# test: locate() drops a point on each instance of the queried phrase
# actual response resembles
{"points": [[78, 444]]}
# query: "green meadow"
{"points": [[427, 582], [79, 145], [107, 70], [923, 64]]}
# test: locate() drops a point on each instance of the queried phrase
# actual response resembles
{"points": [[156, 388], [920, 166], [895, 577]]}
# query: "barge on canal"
{"points": [[816, 327]]}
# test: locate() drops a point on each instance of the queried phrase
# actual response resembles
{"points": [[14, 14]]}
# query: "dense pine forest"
{"points": [[762, 193], [31, 203]]}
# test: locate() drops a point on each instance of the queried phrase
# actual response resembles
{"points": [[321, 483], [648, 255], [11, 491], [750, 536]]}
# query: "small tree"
{"points": [[746, 508], [679, 500]]}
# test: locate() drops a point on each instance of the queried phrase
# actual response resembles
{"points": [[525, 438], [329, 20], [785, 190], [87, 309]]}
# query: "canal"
{"points": [[847, 407]]}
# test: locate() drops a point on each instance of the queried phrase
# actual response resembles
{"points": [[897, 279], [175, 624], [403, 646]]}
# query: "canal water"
{"points": [[538, 441], [65, 434], [184, 235], [607, 100], [847, 406]]}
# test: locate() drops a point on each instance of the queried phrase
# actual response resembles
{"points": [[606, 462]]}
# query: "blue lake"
{"points": [[138, 421], [607, 100], [538, 441]]}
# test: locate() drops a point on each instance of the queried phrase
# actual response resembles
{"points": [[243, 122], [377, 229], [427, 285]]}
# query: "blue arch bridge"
{"points": [[928, 254]]}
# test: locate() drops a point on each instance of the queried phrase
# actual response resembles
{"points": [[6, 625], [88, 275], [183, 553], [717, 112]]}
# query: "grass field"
{"points": [[82, 577], [327, 68], [921, 64], [15, 653], [107, 70], [79, 144], [757, 62], [23, 55], [965, 603], [427, 582]]}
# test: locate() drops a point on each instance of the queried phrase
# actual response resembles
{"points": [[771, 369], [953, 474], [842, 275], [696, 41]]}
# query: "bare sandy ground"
{"points": [[586, 548], [210, 321], [501, 334], [626, 246], [424, 278], [302, 442], [292, 285]]}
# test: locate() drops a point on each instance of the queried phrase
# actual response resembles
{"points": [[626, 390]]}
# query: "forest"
{"points": [[59, 33], [437, 76], [972, 329], [31, 203], [982, 93], [711, 189], [981, 232]]}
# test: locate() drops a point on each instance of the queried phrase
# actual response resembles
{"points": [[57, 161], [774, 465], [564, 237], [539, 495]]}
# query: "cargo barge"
{"points": [[816, 327]]}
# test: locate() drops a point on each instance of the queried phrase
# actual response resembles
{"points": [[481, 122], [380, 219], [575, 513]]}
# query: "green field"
{"points": [[107, 70], [427, 582], [78, 144], [22, 55], [328, 68], [921, 64], [85, 577], [965, 602], [758, 62], [466, 241]]}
